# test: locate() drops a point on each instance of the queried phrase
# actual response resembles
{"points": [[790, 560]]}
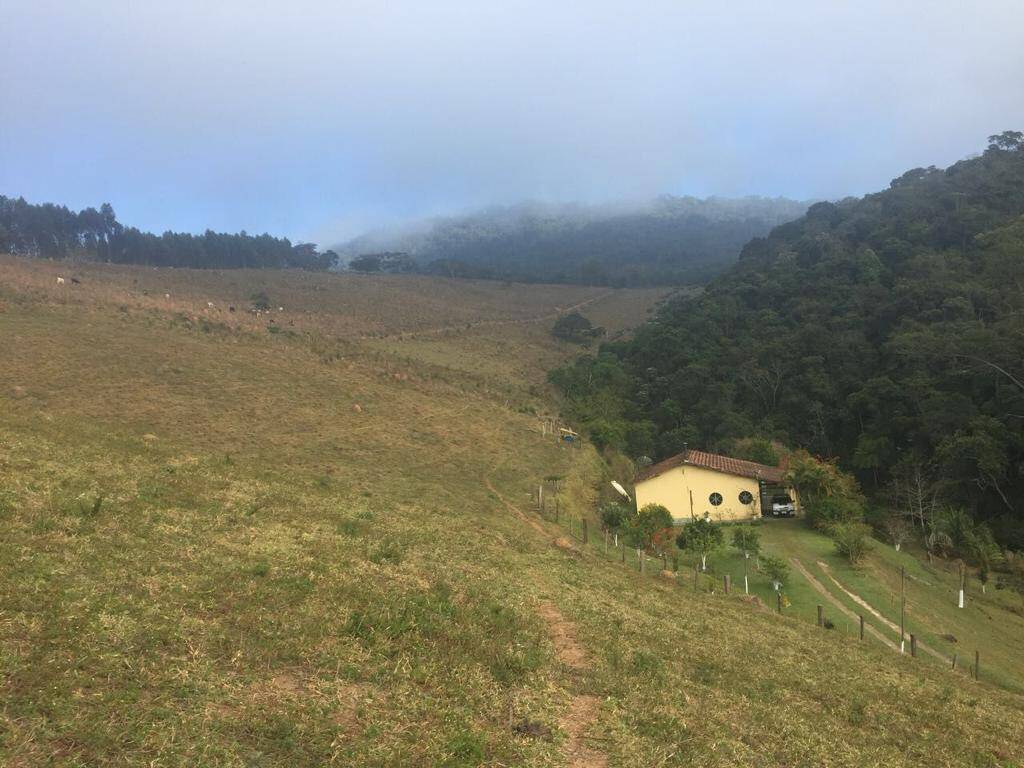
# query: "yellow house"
{"points": [[698, 484]]}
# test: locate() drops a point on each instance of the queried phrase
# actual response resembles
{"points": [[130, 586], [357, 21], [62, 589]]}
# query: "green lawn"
{"points": [[991, 623]]}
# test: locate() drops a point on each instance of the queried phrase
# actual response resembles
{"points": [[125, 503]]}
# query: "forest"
{"points": [[886, 333], [666, 241], [55, 232]]}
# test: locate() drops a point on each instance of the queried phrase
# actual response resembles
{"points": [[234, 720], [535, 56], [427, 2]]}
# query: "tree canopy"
{"points": [[56, 232], [670, 240], [886, 331]]}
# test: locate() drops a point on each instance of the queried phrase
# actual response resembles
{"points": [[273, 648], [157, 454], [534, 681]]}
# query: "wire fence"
{"points": [[672, 567]]}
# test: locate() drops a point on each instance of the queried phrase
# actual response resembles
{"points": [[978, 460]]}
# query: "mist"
{"points": [[319, 120]]}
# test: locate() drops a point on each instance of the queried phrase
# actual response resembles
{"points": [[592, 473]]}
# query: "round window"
{"points": [[746, 497], [715, 499]]}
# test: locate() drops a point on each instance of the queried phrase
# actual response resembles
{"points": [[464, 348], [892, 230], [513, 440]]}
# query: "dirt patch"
{"points": [[346, 710], [582, 712], [563, 634], [567, 546]]}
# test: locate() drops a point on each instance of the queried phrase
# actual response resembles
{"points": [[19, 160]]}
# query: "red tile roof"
{"points": [[716, 462]]}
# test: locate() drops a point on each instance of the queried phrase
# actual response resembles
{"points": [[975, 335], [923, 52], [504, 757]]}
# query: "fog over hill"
{"points": [[666, 240]]}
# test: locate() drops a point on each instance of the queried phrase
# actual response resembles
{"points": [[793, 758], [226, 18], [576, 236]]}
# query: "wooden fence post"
{"points": [[640, 557], [585, 537], [727, 578], [862, 627], [954, 660], [977, 665], [623, 554], [913, 645], [821, 616]]}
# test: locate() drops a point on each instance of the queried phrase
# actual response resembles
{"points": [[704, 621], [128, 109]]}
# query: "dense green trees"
{"points": [[668, 241], [886, 331], [55, 232]]}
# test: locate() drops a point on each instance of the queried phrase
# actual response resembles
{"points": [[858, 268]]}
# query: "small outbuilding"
{"points": [[700, 484]]}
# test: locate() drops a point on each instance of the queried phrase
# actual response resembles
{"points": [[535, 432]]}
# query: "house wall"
{"points": [[672, 489]]}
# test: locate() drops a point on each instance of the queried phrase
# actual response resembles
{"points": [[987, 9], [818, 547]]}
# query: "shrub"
{"points": [[604, 433], [897, 529], [853, 540], [746, 540], [829, 495], [701, 537], [576, 328], [260, 301], [776, 569], [613, 515], [647, 523]]}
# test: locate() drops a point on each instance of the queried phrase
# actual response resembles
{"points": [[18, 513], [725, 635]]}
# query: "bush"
{"points": [[746, 540], [853, 541], [829, 496], [605, 433], [648, 523], [702, 537], [775, 568], [613, 515], [576, 328], [260, 301]]}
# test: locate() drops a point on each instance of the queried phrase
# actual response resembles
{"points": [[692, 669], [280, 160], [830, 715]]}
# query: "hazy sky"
{"points": [[315, 119]]}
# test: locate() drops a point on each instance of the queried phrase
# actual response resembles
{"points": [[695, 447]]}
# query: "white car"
{"points": [[783, 509]]}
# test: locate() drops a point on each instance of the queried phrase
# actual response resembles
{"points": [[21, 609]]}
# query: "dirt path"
{"points": [[823, 591], [489, 323], [529, 520], [867, 607], [583, 710]]}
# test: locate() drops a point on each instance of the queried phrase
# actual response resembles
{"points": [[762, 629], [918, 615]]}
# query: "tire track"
{"points": [[867, 607], [473, 325], [823, 591]]}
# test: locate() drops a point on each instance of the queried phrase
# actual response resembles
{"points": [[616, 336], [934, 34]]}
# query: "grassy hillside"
{"points": [[305, 538]]}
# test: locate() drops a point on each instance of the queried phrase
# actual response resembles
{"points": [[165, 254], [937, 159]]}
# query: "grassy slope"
{"points": [[275, 578], [992, 623]]}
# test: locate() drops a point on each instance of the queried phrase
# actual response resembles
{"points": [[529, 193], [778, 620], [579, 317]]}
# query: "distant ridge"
{"points": [[668, 240]]}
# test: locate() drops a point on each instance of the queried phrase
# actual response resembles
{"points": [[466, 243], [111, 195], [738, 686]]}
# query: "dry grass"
{"points": [[212, 558]]}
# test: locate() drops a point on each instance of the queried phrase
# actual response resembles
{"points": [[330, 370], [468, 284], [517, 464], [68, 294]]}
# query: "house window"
{"points": [[715, 499], [746, 497]]}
